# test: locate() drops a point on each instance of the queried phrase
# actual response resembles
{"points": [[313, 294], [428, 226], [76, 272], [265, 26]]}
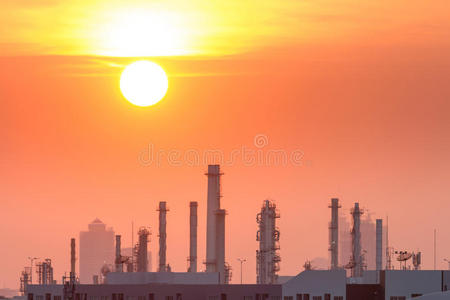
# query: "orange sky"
{"points": [[361, 89]]}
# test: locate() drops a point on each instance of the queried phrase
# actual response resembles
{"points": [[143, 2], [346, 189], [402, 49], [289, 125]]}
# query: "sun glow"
{"points": [[143, 33], [144, 83]]}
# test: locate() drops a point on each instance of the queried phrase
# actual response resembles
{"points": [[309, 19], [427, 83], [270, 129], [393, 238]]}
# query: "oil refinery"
{"points": [[350, 274]]}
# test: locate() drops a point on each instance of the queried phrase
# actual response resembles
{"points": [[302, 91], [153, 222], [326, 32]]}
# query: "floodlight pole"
{"points": [[241, 260]]}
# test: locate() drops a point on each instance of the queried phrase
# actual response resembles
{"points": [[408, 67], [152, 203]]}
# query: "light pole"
{"points": [[448, 261], [32, 259], [241, 260]]}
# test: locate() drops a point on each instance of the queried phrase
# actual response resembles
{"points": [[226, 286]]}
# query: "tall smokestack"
{"points": [[379, 244], [72, 260], [162, 236], [193, 237], [356, 242], [213, 205], [119, 265], [334, 233]]}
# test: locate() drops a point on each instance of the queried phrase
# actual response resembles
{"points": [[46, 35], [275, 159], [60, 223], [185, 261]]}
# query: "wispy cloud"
{"points": [[217, 28]]}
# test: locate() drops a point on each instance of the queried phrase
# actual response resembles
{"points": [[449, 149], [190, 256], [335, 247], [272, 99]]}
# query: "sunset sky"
{"points": [[360, 89]]}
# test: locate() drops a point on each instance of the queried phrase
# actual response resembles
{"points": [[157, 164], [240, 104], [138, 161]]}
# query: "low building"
{"points": [[316, 285], [404, 284], [308, 285]]}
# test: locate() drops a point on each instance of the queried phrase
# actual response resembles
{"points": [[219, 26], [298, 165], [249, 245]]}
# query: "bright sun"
{"points": [[144, 83]]}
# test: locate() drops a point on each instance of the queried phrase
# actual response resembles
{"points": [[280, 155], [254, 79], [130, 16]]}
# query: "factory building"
{"points": [[96, 249]]}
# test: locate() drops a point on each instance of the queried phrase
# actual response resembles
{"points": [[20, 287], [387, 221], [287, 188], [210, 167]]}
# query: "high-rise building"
{"points": [[96, 250]]}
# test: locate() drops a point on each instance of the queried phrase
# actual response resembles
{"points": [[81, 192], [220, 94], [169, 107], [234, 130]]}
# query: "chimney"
{"points": [[193, 237], [213, 205], [379, 244], [162, 236], [72, 260], [334, 233], [356, 242], [119, 265]]}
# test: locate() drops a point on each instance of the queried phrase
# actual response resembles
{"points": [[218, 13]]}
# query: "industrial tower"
{"points": [[141, 251], [118, 260], [25, 280], [162, 237], [45, 272], [268, 236], [357, 261], [192, 259], [334, 233], [72, 261], [379, 244], [69, 283], [215, 227]]}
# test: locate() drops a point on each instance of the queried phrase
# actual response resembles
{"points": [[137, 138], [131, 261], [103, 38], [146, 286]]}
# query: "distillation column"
{"points": [[357, 260], [142, 255], [334, 233], [379, 244], [268, 236], [193, 237], [162, 236]]}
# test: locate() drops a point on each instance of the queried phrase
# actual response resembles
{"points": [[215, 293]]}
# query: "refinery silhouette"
{"points": [[361, 263]]}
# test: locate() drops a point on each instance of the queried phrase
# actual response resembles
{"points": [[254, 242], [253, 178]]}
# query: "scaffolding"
{"points": [[25, 280], [44, 270]]}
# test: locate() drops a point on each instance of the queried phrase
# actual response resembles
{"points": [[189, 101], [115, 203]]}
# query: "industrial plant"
{"points": [[349, 276]]}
